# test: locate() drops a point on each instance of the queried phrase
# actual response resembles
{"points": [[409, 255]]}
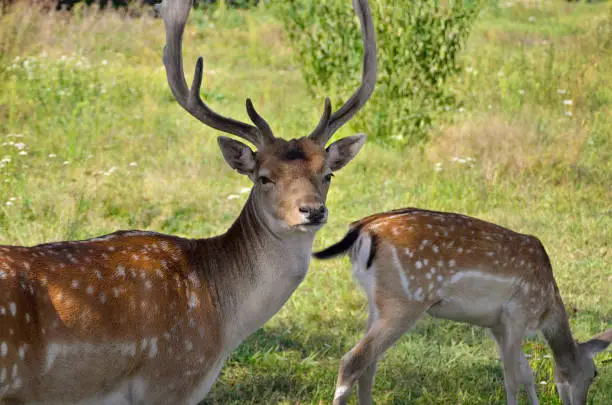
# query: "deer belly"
{"points": [[474, 297], [95, 373]]}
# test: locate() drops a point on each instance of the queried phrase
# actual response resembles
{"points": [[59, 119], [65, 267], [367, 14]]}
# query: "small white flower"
{"points": [[531, 19], [133, 164], [23, 153], [561, 91], [66, 162], [521, 91], [543, 382], [19, 145], [9, 203], [500, 74], [244, 190], [104, 62], [568, 102], [52, 155], [232, 197], [469, 69], [461, 109], [12, 199], [568, 113]]}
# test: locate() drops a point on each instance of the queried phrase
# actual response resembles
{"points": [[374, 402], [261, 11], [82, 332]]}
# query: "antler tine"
{"points": [[321, 128], [174, 14], [258, 120], [368, 76]]}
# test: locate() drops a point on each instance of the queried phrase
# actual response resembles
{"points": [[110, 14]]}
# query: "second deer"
{"points": [[411, 261]]}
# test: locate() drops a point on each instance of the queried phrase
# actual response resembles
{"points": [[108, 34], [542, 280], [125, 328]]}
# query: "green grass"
{"points": [[108, 148]]}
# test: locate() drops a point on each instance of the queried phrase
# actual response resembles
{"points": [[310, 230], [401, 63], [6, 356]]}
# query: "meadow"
{"points": [[91, 141]]}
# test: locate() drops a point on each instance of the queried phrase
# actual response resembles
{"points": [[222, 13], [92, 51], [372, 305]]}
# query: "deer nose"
{"points": [[314, 211]]}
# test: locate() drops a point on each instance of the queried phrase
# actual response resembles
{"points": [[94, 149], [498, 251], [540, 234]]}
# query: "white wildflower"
{"points": [[568, 102], [232, 197]]}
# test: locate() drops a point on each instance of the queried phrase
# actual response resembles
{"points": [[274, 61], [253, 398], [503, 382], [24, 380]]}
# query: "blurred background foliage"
{"points": [[418, 49]]}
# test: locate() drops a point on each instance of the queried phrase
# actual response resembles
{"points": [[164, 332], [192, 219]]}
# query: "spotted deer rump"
{"points": [[102, 311]]}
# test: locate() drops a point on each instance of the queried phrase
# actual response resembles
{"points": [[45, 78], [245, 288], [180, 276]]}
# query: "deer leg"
{"points": [[509, 338], [383, 333], [364, 386], [527, 380]]}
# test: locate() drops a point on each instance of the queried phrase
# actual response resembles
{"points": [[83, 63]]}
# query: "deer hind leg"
{"points": [[360, 361], [517, 371], [364, 386]]}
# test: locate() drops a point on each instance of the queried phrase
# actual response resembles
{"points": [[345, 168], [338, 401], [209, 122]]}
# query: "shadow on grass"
{"points": [[272, 367], [437, 362]]}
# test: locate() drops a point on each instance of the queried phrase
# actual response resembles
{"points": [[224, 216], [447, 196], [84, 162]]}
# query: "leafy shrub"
{"points": [[418, 45]]}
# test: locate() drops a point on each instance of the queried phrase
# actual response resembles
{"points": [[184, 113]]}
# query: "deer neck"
{"points": [[252, 271], [558, 334]]}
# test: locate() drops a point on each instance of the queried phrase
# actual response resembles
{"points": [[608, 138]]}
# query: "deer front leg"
{"points": [[516, 368], [527, 380], [361, 360]]}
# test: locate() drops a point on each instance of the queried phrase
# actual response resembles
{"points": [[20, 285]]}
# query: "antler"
{"points": [[324, 131], [175, 13]]}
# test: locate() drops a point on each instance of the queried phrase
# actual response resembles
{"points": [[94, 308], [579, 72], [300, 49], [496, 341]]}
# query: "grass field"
{"points": [[92, 141]]}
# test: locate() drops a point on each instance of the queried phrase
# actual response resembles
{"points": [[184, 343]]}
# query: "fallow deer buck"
{"points": [[144, 318], [452, 266]]}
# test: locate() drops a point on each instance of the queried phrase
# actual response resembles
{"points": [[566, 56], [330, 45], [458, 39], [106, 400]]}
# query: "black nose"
{"points": [[315, 212]]}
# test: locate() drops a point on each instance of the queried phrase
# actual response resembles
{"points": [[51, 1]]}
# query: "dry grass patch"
{"points": [[501, 146]]}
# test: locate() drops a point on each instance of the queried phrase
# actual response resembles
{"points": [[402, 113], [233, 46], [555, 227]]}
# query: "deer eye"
{"points": [[265, 180], [328, 177], [595, 374]]}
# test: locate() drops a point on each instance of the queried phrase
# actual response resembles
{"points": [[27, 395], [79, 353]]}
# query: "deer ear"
{"points": [[344, 150], [597, 344], [238, 155]]}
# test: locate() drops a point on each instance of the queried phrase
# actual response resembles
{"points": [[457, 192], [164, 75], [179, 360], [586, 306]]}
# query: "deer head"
{"points": [[291, 178], [573, 379]]}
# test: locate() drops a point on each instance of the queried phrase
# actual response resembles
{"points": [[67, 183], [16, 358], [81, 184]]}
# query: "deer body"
{"points": [[135, 318], [125, 314], [410, 262]]}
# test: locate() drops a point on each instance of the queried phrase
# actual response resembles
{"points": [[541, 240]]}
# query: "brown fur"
{"points": [[127, 287]]}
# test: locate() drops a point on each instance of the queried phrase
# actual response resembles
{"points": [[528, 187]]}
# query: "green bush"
{"points": [[418, 46]]}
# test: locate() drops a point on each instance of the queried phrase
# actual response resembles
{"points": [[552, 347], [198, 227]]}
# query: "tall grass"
{"points": [[106, 147]]}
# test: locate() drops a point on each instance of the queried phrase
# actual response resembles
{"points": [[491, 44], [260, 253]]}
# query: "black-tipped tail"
{"points": [[339, 248]]}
